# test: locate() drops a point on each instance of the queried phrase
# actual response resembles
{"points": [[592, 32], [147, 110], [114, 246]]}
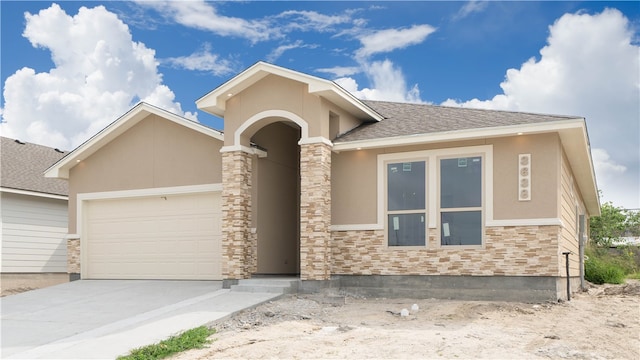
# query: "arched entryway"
{"points": [[258, 224], [276, 199]]}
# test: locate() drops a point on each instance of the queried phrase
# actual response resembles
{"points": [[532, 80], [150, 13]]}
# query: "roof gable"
{"points": [[23, 165], [118, 127], [215, 101]]}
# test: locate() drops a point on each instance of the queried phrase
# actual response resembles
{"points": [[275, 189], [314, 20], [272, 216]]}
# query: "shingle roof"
{"points": [[22, 167], [403, 119]]}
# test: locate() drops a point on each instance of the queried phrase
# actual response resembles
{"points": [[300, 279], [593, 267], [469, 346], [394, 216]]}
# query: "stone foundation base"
{"points": [[530, 289], [561, 286], [13, 283]]}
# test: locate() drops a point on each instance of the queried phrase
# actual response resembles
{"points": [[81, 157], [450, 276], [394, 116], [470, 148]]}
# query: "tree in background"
{"points": [[632, 223], [603, 264], [612, 224]]}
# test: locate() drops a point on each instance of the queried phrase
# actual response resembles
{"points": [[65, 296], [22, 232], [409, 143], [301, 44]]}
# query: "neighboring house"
{"points": [[368, 197], [33, 213], [626, 241]]}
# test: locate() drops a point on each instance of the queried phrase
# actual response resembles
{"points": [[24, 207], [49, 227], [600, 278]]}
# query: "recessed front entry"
{"points": [[277, 199]]}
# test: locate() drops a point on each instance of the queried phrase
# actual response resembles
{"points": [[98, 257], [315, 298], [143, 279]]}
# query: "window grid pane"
{"points": [[406, 186], [461, 228], [461, 182], [406, 229]]}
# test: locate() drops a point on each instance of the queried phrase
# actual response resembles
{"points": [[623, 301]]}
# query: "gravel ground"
{"points": [[602, 323]]}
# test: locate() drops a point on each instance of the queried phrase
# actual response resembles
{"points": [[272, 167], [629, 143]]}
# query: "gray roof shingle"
{"points": [[22, 167], [403, 119]]}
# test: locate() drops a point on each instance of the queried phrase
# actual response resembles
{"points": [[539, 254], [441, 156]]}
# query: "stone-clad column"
{"points": [[315, 211], [73, 256], [236, 214]]}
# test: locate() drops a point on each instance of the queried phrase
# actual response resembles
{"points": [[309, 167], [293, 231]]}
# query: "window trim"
{"points": [[480, 208], [388, 212], [432, 187]]}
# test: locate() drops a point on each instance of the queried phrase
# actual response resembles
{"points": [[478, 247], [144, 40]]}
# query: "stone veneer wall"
{"points": [[508, 251], [236, 215], [253, 252], [73, 256], [315, 211]]}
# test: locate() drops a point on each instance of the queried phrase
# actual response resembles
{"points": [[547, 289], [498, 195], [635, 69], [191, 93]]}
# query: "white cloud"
{"points": [[473, 6], [605, 165], [392, 39], [313, 21], [340, 71], [590, 67], [99, 73], [277, 52], [203, 60], [201, 15], [387, 81]]}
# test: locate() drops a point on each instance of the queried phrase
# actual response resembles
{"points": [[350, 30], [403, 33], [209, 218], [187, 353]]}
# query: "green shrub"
{"points": [[599, 271], [603, 259], [191, 339], [635, 276]]}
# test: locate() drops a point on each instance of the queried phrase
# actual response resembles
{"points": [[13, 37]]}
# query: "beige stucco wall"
{"points": [[276, 200], [354, 178], [277, 93], [344, 121], [154, 153], [545, 150], [354, 187]]}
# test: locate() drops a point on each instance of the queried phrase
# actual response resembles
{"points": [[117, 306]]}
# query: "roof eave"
{"points": [[578, 149], [34, 193]]}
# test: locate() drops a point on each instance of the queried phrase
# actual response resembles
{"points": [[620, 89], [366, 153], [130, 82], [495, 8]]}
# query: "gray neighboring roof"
{"points": [[22, 167], [403, 119]]}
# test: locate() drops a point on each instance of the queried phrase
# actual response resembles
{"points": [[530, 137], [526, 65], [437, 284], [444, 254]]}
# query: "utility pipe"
{"points": [[566, 256]]}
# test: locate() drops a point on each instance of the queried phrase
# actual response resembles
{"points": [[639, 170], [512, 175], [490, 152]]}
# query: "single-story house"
{"points": [[371, 197], [33, 216]]}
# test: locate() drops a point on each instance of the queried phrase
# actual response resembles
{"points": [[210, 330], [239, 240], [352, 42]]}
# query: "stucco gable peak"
{"points": [[136, 114], [214, 102]]}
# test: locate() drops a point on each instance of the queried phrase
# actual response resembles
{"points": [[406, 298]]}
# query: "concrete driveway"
{"points": [[102, 319]]}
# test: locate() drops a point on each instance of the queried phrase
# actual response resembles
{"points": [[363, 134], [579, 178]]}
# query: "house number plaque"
{"points": [[524, 177]]}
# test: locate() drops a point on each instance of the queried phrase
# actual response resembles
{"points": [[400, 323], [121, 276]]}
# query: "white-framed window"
{"points": [[447, 190], [406, 203], [460, 201]]}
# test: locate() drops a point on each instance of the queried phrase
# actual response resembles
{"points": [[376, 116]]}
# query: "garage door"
{"points": [[159, 237]]}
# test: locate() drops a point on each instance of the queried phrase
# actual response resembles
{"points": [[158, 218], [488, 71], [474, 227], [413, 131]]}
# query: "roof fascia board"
{"points": [[214, 102], [458, 135], [33, 193], [61, 168], [578, 150]]}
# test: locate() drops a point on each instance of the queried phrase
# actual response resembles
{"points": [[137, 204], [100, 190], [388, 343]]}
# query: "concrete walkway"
{"points": [[102, 319]]}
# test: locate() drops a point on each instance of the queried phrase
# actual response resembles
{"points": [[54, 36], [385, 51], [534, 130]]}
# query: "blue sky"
{"points": [[70, 68]]}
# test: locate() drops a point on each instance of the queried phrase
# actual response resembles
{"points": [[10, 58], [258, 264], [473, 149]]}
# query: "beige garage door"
{"points": [[160, 237]]}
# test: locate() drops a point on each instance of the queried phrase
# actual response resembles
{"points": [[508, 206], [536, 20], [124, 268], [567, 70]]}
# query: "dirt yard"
{"points": [[603, 323]]}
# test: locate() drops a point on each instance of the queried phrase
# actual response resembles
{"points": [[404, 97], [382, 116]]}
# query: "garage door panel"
{"points": [[161, 237]]}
